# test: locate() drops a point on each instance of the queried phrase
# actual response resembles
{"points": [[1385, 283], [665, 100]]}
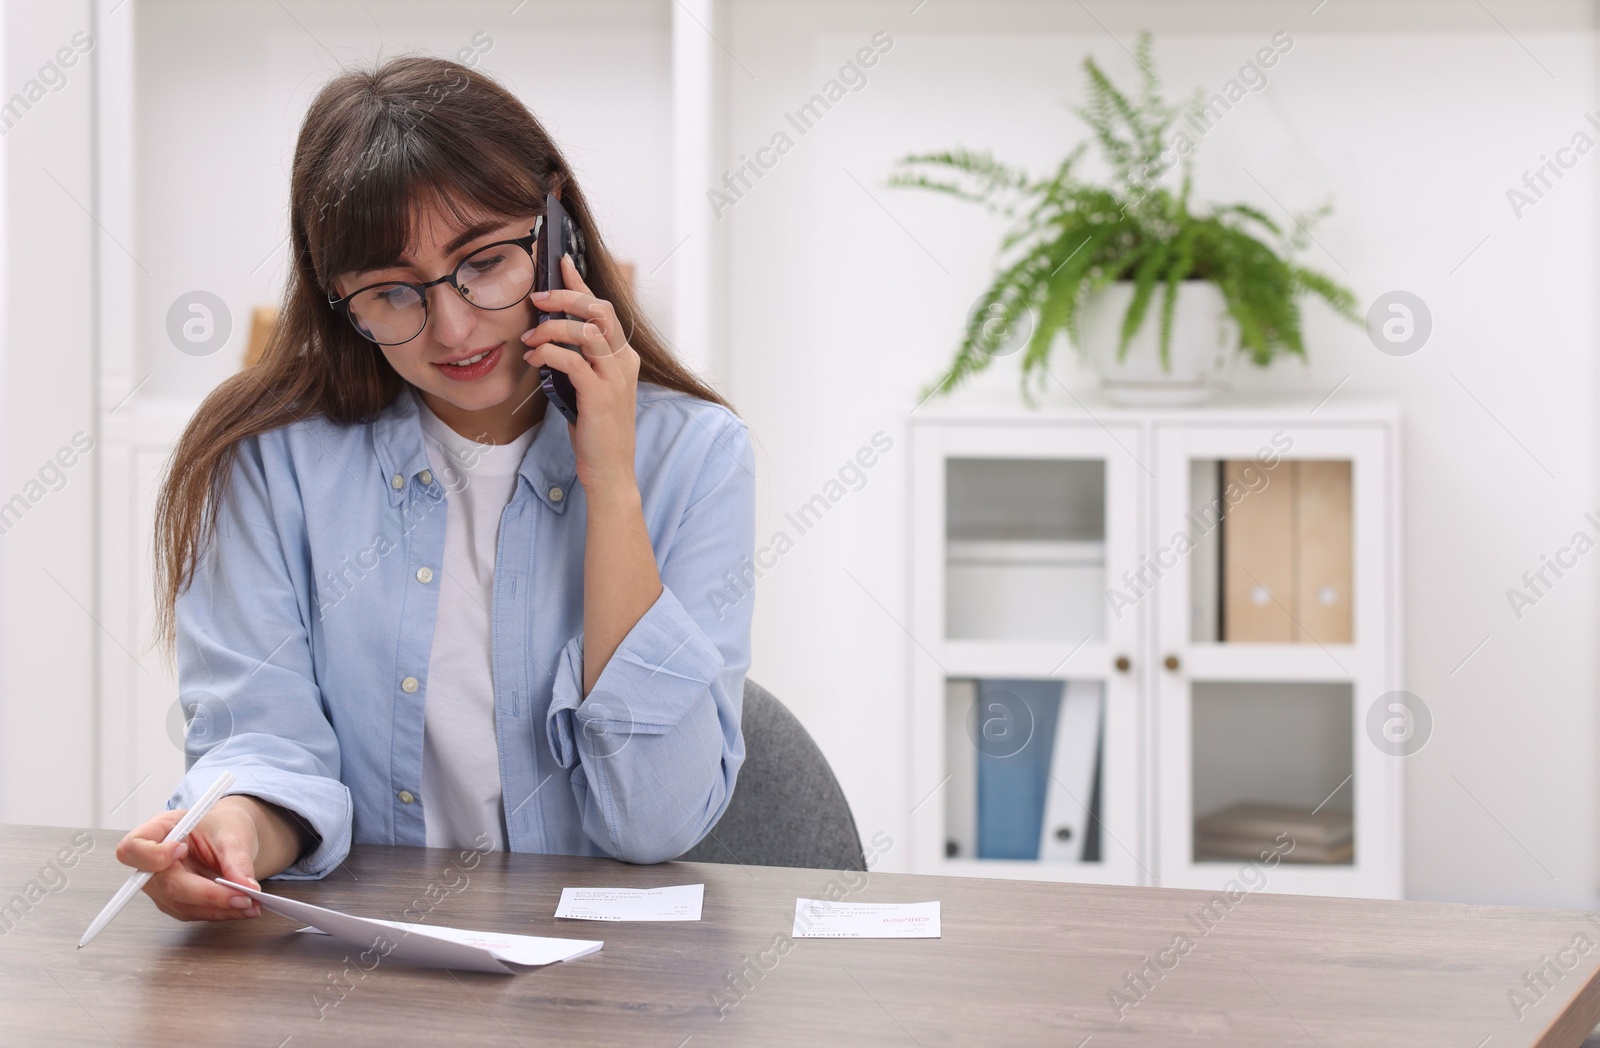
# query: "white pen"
{"points": [[126, 893]]}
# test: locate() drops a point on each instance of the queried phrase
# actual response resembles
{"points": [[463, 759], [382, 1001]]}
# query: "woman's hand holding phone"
{"points": [[226, 842], [605, 375]]}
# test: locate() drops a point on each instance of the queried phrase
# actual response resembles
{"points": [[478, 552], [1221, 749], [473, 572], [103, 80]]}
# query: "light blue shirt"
{"points": [[306, 632]]}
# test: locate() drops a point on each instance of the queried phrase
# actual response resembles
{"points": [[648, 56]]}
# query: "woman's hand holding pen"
{"points": [[605, 375], [223, 843]]}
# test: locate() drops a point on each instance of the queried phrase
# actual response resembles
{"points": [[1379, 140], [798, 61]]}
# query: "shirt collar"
{"points": [[550, 468]]}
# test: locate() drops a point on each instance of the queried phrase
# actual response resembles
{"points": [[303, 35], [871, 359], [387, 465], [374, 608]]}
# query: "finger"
{"points": [[185, 912], [592, 340], [603, 315], [570, 275], [568, 331], [143, 849], [596, 308], [237, 867], [183, 885], [583, 305], [574, 365], [589, 338], [229, 853], [563, 300]]}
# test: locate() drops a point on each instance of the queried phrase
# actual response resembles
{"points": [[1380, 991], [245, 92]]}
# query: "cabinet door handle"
{"points": [[1171, 662], [1123, 664]]}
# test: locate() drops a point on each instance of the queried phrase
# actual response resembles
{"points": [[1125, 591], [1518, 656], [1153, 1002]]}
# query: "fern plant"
{"points": [[1071, 236]]}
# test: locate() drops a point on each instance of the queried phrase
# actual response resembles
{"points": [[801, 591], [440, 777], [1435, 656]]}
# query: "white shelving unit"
{"points": [[1027, 499]]}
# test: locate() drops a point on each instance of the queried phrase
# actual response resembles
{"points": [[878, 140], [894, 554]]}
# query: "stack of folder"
{"points": [[1245, 831], [1287, 554]]}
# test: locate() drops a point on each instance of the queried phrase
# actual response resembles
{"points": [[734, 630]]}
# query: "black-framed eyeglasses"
{"points": [[496, 276]]}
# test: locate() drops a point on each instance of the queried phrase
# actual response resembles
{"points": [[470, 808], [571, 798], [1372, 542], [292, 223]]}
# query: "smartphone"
{"points": [[557, 235]]}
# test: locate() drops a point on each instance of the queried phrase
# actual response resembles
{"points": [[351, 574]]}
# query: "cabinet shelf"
{"points": [[1064, 660], [1270, 662]]}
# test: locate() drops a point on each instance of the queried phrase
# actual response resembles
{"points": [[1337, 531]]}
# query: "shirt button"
{"points": [[409, 684], [397, 481], [424, 574], [556, 494], [406, 797], [426, 476]]}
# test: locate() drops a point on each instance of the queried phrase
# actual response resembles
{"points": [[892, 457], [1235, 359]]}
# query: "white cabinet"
{"points": [[1127, 623]]}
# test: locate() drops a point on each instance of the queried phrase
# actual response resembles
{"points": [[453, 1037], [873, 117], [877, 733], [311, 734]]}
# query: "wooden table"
{"points": [[1020, 963]]}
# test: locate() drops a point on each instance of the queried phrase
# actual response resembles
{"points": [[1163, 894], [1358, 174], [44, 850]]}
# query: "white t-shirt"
{"points": [[460, 753]]}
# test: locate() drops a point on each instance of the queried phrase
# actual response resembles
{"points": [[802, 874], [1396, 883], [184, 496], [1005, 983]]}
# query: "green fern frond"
{"points": [[1178, 271], [986, 178], [1144, 284], [1334, 294], [1063, 287]]}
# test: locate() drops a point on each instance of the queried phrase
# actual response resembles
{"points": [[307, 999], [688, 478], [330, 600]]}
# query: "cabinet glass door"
{"points": [[1027, 756], [1270, 564]]}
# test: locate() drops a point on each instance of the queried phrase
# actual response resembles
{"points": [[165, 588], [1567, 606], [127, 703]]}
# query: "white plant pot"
{"points": [[1205, 343]]}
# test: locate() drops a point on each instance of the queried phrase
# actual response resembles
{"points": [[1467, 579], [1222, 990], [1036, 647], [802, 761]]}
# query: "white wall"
{"points": [[1415, 128], [48, 635]]}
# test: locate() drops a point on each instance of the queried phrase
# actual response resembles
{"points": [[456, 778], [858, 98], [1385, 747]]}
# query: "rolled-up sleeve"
{"points": [[245, 669], [655, 748]]}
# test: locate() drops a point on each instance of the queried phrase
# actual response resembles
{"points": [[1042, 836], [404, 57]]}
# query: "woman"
{"points": [[415, 604]]}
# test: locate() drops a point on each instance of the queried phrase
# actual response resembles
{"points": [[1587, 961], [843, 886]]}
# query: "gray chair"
{"points": [[787, 807]]}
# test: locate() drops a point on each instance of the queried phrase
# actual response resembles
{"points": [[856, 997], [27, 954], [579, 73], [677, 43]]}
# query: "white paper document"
{"points": [[680, 902], [425, 944], [820, 919]]}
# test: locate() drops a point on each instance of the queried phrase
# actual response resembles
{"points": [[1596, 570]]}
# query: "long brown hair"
{"points": [[374, 145]]}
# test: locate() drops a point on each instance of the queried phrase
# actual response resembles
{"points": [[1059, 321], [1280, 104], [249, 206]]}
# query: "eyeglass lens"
{"points": [[494, 278]]}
